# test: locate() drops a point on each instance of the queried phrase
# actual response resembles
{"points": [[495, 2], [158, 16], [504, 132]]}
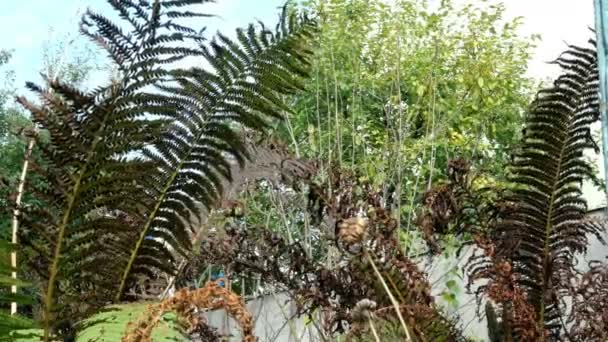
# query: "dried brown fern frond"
{"points": [[188, 304], [503, 287], [590, 315], [544, 228], [464, 203]]}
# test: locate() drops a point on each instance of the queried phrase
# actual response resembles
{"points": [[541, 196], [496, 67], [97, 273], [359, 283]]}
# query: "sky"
{"points": [[558, 22], [33, 23]]}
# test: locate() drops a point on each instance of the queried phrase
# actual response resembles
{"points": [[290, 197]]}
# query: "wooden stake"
{"points": [[15, 223]]}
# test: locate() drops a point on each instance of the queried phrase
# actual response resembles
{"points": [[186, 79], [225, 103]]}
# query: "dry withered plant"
{"points": [[589, 316], [188, 305], [364, 233]]}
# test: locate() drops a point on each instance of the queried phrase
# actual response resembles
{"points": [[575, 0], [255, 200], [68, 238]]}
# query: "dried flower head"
{"points": [[352, 230], [363, 310]]}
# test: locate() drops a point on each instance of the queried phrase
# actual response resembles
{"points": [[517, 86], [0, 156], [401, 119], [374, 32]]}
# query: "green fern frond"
{"points": [[10, 323], [111, 325], [24, 335]]}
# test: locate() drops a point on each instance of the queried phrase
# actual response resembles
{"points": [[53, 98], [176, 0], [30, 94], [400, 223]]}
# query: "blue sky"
{"points": [[28, 25]]}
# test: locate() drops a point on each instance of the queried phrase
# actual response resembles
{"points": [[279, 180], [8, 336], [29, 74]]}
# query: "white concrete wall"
{"points": [[274, 321]]}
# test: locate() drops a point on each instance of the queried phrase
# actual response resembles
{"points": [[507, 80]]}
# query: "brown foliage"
{"points": [[362, 223], [590, 315], [455, 206], [503, 288]]}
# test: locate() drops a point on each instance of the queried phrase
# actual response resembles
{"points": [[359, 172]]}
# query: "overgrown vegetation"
{"points": [[331, 158]]}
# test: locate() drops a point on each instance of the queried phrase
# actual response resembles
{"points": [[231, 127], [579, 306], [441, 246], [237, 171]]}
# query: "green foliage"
{"points": [[397, 90], [25, 335], [8, 322], [12, 150], [71, 58], [108, 326]]}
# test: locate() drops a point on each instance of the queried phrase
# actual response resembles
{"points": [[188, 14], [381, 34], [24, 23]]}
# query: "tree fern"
{"points": [[546, 226], [130, 163], [96, 194]]}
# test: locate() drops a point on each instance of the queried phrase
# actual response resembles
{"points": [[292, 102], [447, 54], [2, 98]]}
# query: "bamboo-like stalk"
{"points": [[15, 221], [336, 109], [390, 295], [373, 329]]}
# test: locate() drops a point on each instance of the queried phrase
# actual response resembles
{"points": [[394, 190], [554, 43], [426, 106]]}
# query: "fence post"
{"points": [[601, 18]]}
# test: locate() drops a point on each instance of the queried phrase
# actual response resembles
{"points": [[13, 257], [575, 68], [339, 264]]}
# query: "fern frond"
{"points": [[129, 164], [111, 325], [242, 89], [97, 191], [588, 319], [10, 324], [546, 227]]}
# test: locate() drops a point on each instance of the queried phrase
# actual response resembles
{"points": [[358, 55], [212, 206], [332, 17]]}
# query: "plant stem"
{"points": [[390, 295], [373, 329]]}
